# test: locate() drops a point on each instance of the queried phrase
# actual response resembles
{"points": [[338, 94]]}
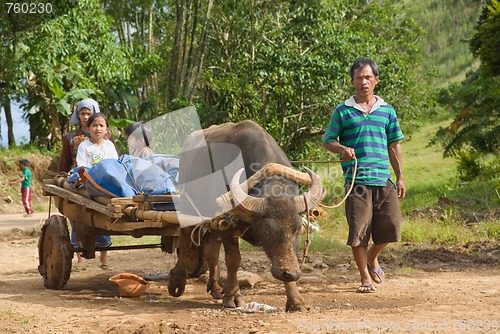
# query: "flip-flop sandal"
{"points": [[104, 266], [366, 288], [376, 275], [77, 268]]}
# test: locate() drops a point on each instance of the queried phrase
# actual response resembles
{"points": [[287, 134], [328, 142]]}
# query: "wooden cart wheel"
{"points": [[55, 253], [195, 261]]}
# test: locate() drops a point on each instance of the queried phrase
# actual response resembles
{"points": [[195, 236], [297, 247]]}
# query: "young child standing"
{"points": [[26, 190], [90, 152]]}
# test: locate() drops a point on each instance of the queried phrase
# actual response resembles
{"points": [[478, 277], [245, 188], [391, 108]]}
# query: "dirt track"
{"points": [[437, 301]]}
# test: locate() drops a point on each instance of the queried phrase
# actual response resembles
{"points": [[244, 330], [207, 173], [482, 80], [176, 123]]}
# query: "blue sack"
{"points": [[128, 176], [169, 163]]}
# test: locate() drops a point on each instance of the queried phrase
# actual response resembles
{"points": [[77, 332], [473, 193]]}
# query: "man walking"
{"points": [[365, 128]]}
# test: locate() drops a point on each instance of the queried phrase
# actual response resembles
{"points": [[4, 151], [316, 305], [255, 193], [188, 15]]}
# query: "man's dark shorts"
{"points": [[373, 211]]}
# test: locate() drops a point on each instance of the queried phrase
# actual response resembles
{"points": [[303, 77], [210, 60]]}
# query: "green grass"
{"points": [[428, 176], [9, 316], [325, 244], [125, 240], [428, 231], [448, 25]]}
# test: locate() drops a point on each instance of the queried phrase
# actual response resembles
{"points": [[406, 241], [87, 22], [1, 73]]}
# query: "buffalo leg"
{"points": [[212, 250], [232, 296], [294, 300], [178, 275]]}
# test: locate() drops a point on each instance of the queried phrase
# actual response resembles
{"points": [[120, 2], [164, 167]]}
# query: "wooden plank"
{"points": [[155, 198], [122, 201], [79, 199], [102, 199]]}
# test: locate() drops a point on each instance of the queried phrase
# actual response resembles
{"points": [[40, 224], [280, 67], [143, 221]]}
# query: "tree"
{"points": [[144, 29], [283, 63], [7, 88], [474, 133], [286, 63], [15, 22], [68, 58], [167, 42], [486, 41]]}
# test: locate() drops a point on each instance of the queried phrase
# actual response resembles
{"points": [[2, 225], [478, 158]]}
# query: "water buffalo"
{"points": [[268, 215]]}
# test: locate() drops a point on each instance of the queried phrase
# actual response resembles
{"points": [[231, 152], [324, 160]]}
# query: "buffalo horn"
{"points": [[224, 201], [239, 192], [276, 168], [313, 196]]}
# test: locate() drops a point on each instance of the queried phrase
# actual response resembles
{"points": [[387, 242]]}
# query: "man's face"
{"points": [[364, 81]]}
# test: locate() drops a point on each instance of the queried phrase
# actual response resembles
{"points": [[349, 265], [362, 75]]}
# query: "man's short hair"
{"points": [[362, 62]]}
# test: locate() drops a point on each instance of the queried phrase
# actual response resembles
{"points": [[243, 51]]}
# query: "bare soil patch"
{"points": [[444, 292]]}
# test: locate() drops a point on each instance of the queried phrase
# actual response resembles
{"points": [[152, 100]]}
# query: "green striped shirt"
{"points": [[369, 135]]}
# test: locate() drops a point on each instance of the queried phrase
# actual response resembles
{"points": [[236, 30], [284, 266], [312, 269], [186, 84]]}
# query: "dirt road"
{"points": [[17, 221], [437, 300]]}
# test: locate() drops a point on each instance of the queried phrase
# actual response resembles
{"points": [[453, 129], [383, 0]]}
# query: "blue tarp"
{"points": [[128, 176]]}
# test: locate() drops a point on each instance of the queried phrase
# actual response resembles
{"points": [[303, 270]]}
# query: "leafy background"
{"points": [[283, 64]]}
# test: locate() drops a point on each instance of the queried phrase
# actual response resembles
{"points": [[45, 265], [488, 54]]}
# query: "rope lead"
{"points": [[348, 192]]}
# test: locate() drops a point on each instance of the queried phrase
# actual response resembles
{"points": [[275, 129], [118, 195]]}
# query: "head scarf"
{"points": [[90, 104]]}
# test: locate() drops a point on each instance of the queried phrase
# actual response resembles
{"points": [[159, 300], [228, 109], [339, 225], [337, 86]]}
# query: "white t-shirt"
{"points": [[89, 154]]}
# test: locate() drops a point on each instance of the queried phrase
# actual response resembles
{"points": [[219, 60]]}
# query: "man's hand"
{"points": [[401, 189], [348, 154]]}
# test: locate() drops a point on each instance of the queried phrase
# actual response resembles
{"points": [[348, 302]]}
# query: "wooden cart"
{"points": [[90, 217]]}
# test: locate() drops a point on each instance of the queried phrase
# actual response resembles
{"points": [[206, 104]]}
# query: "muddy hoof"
{"points": [[215, 290], [176, 285], [216, 294], [232, 302]]}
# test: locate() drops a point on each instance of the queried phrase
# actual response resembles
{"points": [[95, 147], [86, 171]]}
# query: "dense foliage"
{"points": [[448, 25], [282, 63], [287, 65], [62, 59], [474, 134]]}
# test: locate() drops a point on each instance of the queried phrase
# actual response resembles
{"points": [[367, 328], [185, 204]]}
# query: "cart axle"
{"points": [[78, 249]]}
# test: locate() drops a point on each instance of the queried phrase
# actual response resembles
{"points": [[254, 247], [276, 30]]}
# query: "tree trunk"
{"points": [[174, 66], [196, 71], [11, 140], [191, 49]]}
